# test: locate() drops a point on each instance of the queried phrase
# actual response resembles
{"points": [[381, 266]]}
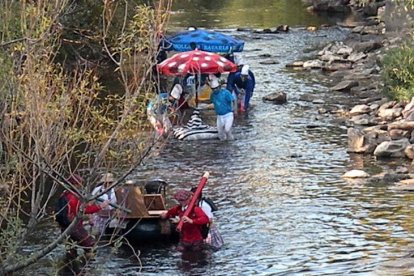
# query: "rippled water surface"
{"points": [[283, 208]]}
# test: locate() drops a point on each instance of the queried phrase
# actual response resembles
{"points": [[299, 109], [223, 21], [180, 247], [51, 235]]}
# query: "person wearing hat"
{"points": [[190, 235], [78, 233], [176, 92], [107, 179], [239, 61], [223, 102], [242, 83], [99, 223], [181, 95]]}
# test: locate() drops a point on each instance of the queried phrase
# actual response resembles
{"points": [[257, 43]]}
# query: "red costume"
{"points": [[73, 206], [191, 232], [78, 233]]}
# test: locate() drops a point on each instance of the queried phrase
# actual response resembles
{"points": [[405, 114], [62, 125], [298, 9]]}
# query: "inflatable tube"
{"points": [[197, 134], [148, 230], [195, 130]]}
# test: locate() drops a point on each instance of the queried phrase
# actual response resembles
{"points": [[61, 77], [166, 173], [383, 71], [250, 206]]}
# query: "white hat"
{"points": [[245, 70], [212, 77], [107, 177], [214, 83], [176, 91]]}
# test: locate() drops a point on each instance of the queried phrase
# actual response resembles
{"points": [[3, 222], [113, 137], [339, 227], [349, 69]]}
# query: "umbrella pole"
{"points": [[197, 88]]}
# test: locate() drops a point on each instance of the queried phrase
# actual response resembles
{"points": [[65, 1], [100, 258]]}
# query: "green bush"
{"points": [[398, 72]]}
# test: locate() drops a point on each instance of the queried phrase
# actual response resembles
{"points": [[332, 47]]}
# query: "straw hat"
{"points": [[107, 177]]}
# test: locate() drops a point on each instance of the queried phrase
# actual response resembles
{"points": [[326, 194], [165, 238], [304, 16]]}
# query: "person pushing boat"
{"points": [[190, 234]]}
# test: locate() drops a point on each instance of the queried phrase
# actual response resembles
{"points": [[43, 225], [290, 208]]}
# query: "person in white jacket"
{"points": [[209, 232], [99, 223]]}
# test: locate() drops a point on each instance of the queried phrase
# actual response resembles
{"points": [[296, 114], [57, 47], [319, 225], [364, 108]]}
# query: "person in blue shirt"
{"points": [[243, 86], [223, 102]]}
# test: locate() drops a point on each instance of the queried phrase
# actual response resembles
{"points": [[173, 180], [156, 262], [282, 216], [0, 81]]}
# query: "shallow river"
{"points": [[283, 207]]}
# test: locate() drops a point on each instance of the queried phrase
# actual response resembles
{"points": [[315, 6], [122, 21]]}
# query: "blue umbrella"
{"points": [[204, 40]]}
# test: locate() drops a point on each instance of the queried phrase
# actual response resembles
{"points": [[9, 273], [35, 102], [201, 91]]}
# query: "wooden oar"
{"points": [[194, 199]]}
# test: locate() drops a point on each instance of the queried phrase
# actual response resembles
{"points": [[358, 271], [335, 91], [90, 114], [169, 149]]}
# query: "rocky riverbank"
{"points": [[376, 125]]}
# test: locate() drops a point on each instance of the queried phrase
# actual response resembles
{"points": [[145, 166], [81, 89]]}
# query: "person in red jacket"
{"points": [[190, 235], [78, 233]]}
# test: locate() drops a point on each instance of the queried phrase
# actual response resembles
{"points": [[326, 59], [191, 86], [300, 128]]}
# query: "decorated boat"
{"points": [[143, 223], [195, 129]]}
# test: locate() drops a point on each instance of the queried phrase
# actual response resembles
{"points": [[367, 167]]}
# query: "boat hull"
{"points": [[149, 230]]}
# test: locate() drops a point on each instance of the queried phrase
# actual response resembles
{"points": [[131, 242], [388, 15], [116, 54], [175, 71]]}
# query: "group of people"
{"points": [[232, 99], [197, 229], [182, 95], [227, 101]]}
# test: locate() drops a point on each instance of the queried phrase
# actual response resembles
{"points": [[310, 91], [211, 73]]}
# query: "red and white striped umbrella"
{"points": [[195, 62]]}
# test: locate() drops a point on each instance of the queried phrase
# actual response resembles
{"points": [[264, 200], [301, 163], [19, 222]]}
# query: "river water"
{"points": [[283, 207]]}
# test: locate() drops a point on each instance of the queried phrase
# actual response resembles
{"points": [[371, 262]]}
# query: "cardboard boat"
{"points": [[146, 200]]}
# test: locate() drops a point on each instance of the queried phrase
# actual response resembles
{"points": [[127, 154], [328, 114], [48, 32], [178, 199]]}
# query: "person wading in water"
{"points": [[190, 235]]}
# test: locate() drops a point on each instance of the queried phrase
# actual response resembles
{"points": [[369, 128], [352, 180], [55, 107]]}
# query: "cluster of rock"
{"points": [[376, 125], [385, 129], [352, 63], [344, 6], [340, 56]]}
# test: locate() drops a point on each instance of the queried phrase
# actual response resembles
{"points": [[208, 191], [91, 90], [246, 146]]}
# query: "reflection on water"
{"points": [[283, 208], [244, 13]]}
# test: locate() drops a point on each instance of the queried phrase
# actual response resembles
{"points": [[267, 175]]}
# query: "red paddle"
{"points": [[196, 194]]}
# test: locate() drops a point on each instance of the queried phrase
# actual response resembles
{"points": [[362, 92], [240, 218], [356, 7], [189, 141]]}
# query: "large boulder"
{"points": [[355, 174], [398, 134], [276, 97], [366, 47], [409, 152], [392, 149], [345, 85], [390, 113], [363, 120], [360, 141], [360, 109]]}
